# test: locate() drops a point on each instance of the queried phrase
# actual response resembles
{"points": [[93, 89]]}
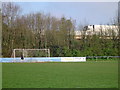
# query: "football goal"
{"points": [[29, 53]]}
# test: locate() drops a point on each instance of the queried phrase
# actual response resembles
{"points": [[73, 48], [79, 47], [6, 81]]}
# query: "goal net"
{"points": [[29, 53]]}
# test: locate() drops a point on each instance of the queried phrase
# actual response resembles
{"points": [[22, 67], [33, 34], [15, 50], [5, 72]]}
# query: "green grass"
{"points": [[61, 75]]}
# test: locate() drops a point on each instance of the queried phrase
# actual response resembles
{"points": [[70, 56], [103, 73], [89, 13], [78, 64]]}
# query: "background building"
{"points": [[102, 30]]}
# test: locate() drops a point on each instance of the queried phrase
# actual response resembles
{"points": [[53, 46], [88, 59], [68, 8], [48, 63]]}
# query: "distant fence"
{"points": [[46, 59], [102, 57]]}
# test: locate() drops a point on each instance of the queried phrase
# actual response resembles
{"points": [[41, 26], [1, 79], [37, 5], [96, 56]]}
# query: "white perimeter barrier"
{"points": [[45, 59]]}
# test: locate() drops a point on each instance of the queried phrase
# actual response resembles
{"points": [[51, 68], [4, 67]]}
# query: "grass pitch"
{"points": [[61, 75]]}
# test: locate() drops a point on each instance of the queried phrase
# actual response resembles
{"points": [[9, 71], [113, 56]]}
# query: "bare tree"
{"points": [[10, 12]]}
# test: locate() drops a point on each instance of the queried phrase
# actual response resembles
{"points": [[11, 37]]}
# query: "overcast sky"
{"points": [[82, 12]]}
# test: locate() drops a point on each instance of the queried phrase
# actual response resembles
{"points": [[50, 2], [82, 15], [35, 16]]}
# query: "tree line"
{"points": [[40, 30]]}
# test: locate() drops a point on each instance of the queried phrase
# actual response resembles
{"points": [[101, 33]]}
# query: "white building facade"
{"points": [[104, 30]]}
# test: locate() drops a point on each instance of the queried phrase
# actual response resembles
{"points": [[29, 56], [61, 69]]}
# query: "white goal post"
{"points": [[30, 53]]}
